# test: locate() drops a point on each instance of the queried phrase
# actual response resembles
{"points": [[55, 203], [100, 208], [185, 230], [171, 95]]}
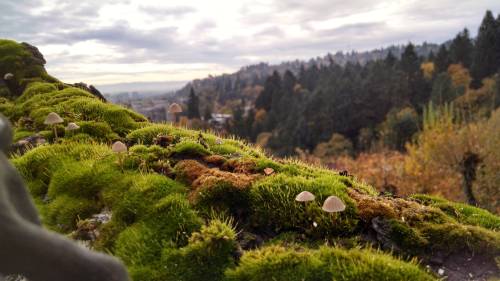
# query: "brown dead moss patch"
{"points": [[199, 175], [370, 207], [242, 166], [215, 159]]}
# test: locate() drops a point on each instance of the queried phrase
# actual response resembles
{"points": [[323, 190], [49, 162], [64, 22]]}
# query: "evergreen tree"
{"points": [[390, 59], [207, 115], [442, 60], [272, 87], [486, 57], [461, 49], [193, 110], [409, 61]]}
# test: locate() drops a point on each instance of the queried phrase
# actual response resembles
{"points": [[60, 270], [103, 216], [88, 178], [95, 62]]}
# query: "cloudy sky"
{"points": [[117, 41]]}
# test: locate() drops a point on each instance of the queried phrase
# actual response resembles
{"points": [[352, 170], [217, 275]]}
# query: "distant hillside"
{"points": [[220, 88]]}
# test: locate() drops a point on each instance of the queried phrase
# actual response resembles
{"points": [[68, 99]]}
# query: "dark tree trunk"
{"points": [[469, 165]]}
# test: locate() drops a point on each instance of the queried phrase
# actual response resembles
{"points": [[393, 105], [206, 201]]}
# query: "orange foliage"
{"points": [[460, 76], [428, 69]]}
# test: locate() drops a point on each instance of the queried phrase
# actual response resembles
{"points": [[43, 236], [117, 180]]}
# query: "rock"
{"points": [[22, 146], [87, 230], [382, 228], [89, 88], [37, 55]]}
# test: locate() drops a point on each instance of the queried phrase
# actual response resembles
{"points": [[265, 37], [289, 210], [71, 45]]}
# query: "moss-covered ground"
{"points": [[188, 205]]}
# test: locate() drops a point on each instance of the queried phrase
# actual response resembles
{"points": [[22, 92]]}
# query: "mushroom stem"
{"points": [[55, 131], [120, 162]]}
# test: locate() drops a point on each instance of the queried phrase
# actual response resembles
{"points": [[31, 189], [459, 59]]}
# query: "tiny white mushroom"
{"points": [[174, 109], [72, 126], [269, 171], [8, 76], [53, 119], [119, 147], [305, 196], [333, 204]]}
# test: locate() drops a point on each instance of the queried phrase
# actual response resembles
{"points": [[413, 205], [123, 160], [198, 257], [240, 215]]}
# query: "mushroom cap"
{"points": [[8, 76], [174, 108], [333, 204], [72, 126], [268, 171], [53, 118], [119, 147], [305, 196]]}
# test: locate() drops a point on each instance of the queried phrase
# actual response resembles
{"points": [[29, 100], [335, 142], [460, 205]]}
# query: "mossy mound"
{"points": [[189, 205]]}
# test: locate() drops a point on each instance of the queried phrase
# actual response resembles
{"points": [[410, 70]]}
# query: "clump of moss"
{"points": [[138, 246], [189, 149], [296, 264], [99, 131], [147, 134], [173, 218], [223, 197], [83, 179], [273, 205], [456, 238], [145, 190], [206, 257], [463, 213], [63, 212], [145, 158]]}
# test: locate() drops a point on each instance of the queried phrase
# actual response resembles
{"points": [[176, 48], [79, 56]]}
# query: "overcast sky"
{"points": [[117, 41]]}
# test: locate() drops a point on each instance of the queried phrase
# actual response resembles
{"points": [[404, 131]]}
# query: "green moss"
{"points": [[147, 134], [99, 131], [63, 212], [18, 60], [137, 245], [463, 213], [209, 253], [40, 162], [189, 149], [456, 238], [173, 219], [36, 88], [408, 238], [223, 197], [274, 206], [83, 179], [145, 191], [21, 134], [281, 264]]}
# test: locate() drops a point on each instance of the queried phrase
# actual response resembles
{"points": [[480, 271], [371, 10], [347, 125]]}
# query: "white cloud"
{"points": [[113, 41]]}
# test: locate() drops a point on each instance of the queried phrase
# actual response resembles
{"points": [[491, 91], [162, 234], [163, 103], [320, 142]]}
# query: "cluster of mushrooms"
{"points": [[53, 119], [332, 204]]}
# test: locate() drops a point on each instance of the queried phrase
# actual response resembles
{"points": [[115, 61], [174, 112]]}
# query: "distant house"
{"points": [[220, 120]]}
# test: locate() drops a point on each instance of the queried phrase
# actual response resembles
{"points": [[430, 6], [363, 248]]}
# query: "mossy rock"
{"points": [[158, 224]]}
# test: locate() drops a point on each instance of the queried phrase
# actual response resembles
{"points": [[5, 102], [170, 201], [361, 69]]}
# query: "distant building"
{"points": [[219, 120]]}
